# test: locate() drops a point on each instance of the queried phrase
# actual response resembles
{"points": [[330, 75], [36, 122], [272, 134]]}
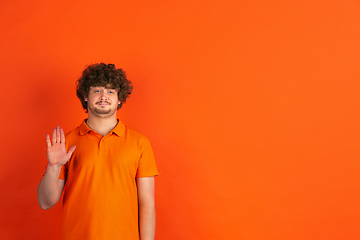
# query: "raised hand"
{"points": [[56, 151]]}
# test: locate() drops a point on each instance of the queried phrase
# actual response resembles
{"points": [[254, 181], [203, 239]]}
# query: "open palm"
{"points": [[56, 151]]}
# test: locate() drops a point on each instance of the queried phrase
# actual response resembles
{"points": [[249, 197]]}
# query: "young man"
{"points": [[108, 168]]}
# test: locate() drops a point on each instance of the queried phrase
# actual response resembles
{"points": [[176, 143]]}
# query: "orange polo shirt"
{"points": [[100, 196]]}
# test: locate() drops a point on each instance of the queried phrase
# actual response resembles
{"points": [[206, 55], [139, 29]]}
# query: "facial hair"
{"points": [[101, 112]]}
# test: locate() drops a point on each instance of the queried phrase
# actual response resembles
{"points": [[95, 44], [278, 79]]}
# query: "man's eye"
{"points": [[111, 91], [96, 90]]}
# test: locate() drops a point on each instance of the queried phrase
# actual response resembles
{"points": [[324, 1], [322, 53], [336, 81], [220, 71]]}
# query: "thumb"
{"points": [[71, 150]]}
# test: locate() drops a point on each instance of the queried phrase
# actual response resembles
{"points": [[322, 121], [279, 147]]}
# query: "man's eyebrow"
{"points": [[111, 88]]}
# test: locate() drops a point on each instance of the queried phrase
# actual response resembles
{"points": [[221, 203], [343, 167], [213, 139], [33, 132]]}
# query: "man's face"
{"points": [[102, 102]]}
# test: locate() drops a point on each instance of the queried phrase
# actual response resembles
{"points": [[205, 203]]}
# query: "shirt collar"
{"points": [[84, 128], [119, 129]]}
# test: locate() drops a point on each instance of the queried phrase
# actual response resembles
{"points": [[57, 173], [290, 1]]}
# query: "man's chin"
{"points": [[102, 112]]}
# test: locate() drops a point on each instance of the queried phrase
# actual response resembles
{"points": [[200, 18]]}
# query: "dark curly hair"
{"points": [[103, 75]]}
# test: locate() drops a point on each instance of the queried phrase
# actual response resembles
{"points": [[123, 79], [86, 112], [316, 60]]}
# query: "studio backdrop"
{"points": [[251, 107]]}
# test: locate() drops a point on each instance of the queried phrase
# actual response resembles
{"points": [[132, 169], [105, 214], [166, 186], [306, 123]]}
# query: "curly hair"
{"points": [[103, 75]]}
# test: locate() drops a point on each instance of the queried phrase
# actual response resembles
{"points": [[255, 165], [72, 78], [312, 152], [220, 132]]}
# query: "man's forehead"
{"points": [[108, 86]]}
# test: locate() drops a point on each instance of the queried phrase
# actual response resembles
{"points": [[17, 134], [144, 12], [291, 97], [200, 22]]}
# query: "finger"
{"points": [[48, 140], [62, 136], [54, 136], [58, 134], [71, 150]]}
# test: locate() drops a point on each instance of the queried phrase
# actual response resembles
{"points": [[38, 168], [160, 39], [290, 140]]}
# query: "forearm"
{"points": [[50, 188], [147, 220]]}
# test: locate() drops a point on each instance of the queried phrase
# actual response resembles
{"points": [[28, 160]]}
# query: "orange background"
{"points": [[252, 108]]}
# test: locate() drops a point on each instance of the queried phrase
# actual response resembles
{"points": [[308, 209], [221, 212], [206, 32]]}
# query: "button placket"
{"points": [[100, 142]]}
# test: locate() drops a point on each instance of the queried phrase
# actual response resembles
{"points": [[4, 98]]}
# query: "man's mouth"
{"points": [[103, 103]]}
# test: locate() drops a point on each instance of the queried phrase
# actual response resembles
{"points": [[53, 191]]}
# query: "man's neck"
{"points": [[101, 125]]}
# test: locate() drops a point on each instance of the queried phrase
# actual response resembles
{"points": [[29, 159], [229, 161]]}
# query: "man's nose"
{"points": [[103, 95]]}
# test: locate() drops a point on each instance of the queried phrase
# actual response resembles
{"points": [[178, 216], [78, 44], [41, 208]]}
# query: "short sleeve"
{"points": [[147, 166]]}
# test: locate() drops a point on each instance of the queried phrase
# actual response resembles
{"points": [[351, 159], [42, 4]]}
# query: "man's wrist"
{"points": [[54, 167]]}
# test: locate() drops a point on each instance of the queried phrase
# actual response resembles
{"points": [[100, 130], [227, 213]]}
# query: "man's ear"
{"points": [[85, 99]]}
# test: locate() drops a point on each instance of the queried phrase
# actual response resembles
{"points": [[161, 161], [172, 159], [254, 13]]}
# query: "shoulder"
{"points": [[73, 136], [72, 133], [136, 136], [82, 129], [134, 133]]}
